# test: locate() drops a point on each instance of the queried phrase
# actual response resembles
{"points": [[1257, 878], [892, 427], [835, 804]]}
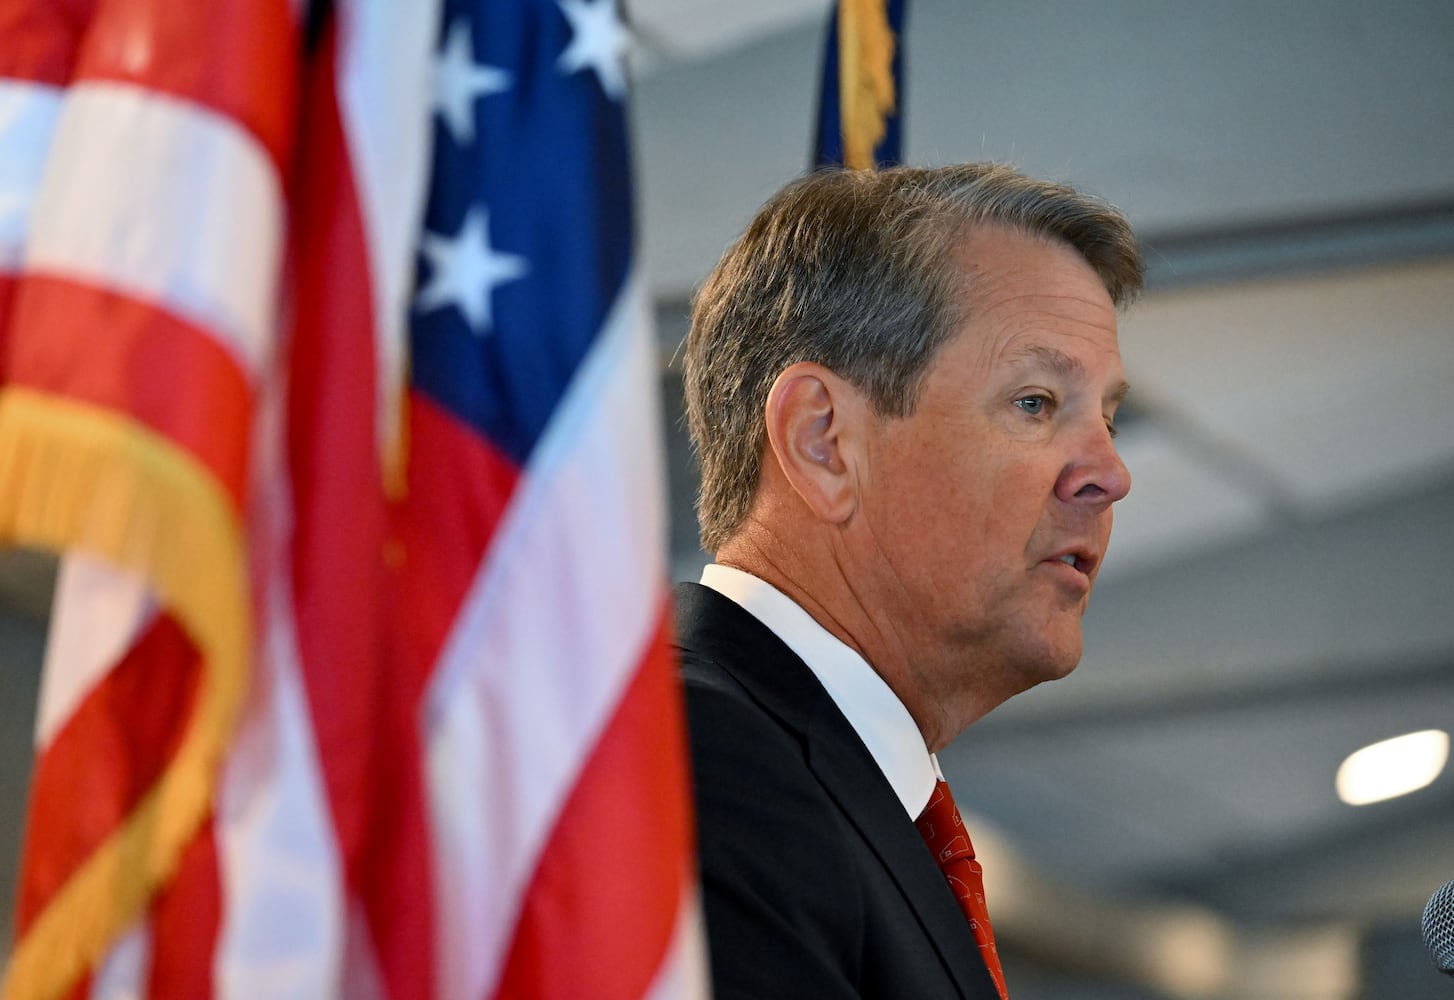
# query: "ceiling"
{"points": [[1162, 823]]}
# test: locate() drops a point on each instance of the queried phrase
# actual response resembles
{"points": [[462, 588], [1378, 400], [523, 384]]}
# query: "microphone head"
{"points": [[1439, 928]]}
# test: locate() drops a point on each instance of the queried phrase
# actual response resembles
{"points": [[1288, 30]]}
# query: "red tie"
{"points": [[944, 832]]}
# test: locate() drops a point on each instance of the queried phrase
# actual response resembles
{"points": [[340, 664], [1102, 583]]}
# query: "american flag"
{"points": [[324, 360]]}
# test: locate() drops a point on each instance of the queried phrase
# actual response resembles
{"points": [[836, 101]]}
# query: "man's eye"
{"points": [[1034, 405]]}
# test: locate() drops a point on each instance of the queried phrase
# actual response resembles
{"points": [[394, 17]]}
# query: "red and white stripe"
{"points": [[147, 208], [523, 702], [143, 220]]}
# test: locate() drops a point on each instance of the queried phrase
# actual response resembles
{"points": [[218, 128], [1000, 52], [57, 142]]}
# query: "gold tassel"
{"points": [[76, 476], [394, 441], [865, 78]]}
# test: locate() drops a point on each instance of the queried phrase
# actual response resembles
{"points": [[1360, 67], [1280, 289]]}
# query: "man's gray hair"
{"points": [[855, 271]]}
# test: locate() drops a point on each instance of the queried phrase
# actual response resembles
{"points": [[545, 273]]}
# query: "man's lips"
{"points": [[1082, 560]]}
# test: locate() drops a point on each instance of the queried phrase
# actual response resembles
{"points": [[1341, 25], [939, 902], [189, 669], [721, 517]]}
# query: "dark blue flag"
{"points": [[862, 92]]}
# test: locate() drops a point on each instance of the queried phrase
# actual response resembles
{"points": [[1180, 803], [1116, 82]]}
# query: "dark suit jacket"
{"points": [[814, 880]]}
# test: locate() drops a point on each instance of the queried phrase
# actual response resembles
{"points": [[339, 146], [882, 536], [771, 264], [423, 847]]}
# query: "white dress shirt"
{"points": [[869, 705]]}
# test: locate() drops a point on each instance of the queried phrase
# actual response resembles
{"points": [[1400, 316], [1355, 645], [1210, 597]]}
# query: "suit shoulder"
{"points": [[783, 906]]}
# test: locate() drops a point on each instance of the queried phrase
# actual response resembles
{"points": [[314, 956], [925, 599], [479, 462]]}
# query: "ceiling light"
{"points": [[1393, 767]]}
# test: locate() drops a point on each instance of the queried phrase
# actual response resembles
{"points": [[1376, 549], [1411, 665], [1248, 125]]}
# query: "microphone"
{"points": [[1439, 928]]}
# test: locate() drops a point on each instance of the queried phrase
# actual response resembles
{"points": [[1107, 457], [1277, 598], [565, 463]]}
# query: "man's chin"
{"points": [[1039, 671], [1058, 662]]}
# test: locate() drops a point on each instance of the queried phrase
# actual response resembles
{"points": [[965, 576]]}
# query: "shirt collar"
{"points": [[866, 701]]}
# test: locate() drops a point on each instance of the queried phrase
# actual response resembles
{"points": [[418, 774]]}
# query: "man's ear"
{"points": [[811, 417]]}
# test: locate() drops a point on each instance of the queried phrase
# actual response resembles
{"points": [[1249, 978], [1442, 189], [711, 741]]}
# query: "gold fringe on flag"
{"points": [[394, 445], [865, 78], [75, 476]]}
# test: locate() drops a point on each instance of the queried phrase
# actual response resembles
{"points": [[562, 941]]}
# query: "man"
{"points": [[902, 388]]}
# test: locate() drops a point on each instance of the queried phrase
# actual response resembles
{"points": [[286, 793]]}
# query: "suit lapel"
{"points": [[785, 686], [850, 774]]}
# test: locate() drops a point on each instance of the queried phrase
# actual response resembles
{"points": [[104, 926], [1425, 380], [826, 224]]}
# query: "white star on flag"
{"points": [[599, 42], [465, 271], [459, 80]]}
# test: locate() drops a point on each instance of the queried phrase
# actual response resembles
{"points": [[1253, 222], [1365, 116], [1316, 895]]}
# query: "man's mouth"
{"points": [[1082, 562]]}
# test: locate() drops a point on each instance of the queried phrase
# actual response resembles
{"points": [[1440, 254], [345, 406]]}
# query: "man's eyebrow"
{"points": [[1040, 356], [1064, 365]]}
